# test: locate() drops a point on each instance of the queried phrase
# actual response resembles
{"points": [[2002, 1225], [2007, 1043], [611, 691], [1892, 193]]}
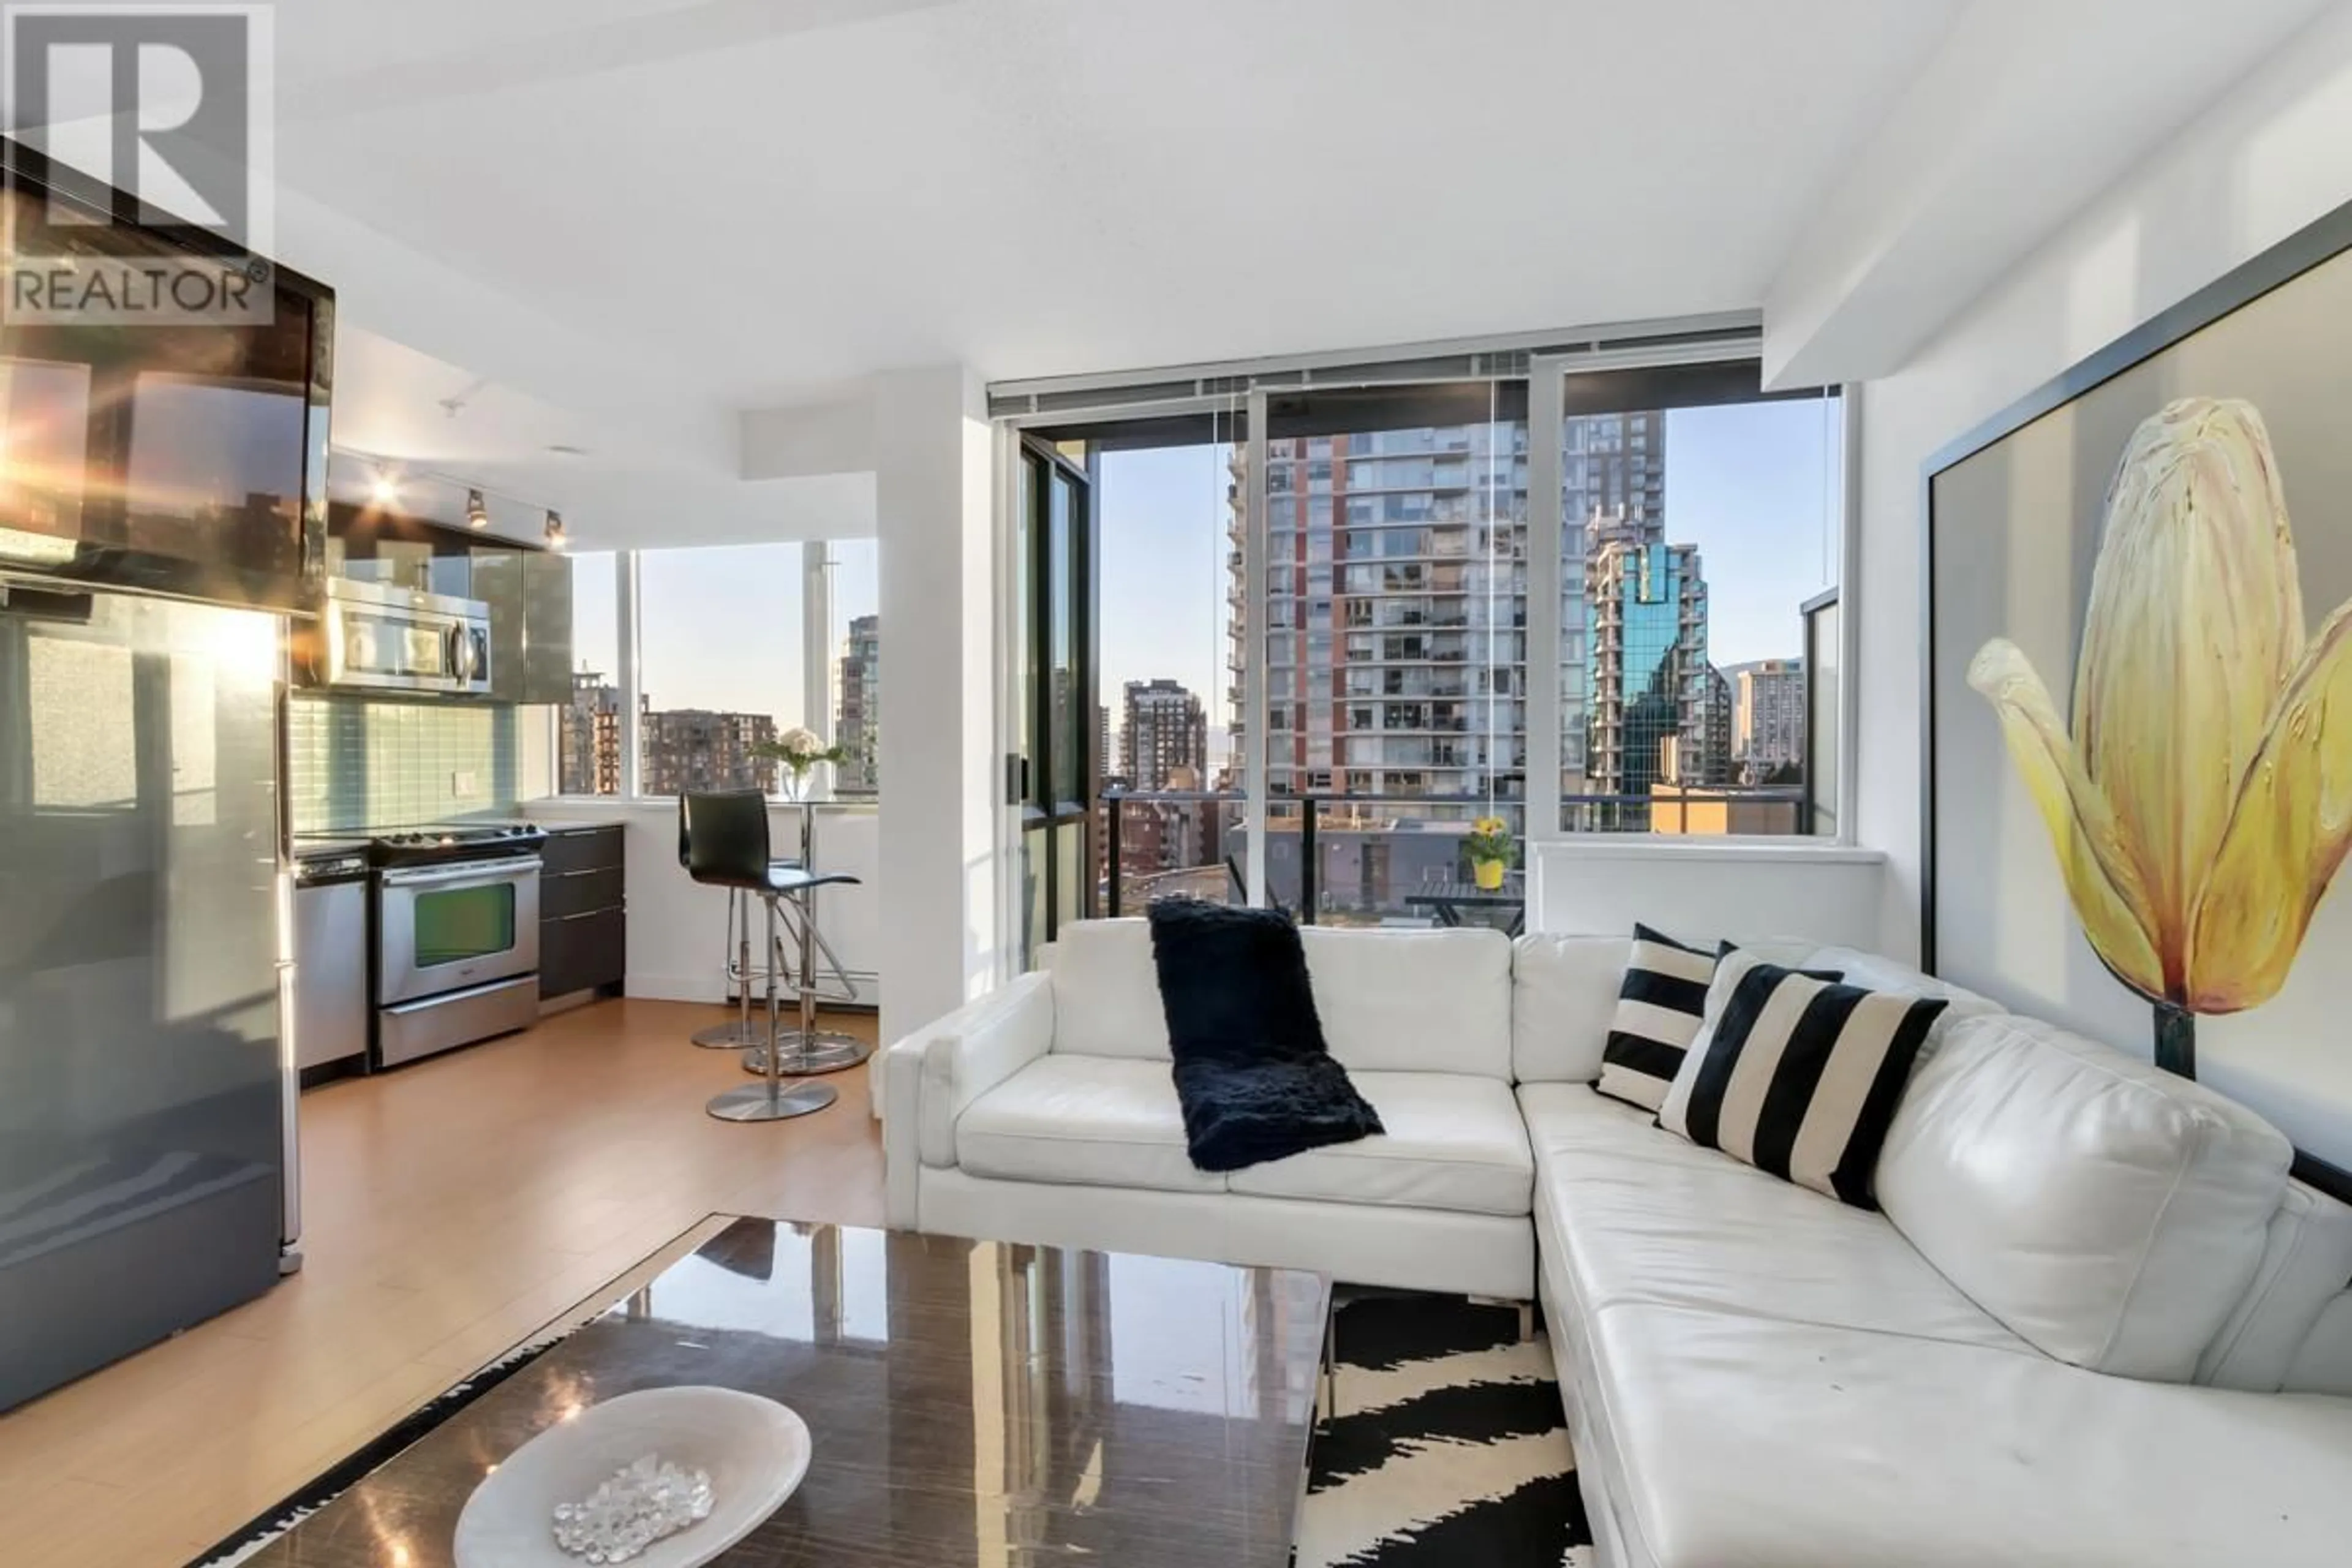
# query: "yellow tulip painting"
{"points": [[2202, 802]]}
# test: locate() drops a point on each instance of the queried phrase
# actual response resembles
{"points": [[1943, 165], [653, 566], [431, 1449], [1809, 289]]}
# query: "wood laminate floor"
{"points": [[450, 1208]]}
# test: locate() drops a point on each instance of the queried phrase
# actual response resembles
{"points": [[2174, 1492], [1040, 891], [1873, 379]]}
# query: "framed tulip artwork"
{"points": [[2138, 695]]}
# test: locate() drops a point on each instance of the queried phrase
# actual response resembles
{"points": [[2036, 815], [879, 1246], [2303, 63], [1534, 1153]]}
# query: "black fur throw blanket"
{"points": [[1256, 1081]]}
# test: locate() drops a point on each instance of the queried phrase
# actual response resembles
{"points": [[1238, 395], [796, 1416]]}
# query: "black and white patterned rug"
{"points": [[1448, 1448]]}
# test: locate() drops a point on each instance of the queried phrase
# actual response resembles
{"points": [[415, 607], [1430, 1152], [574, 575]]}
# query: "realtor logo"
{"points": [[166, 105]]}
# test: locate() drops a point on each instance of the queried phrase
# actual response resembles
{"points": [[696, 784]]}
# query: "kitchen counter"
{"points": [[677, 929]]}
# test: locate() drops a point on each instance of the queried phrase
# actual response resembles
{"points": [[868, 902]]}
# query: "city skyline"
{"points": [[720, 627], [1754, 486], [683, 749]]}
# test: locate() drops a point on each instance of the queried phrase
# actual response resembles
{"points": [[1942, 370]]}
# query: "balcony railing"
{"points": [[1360, 858]]}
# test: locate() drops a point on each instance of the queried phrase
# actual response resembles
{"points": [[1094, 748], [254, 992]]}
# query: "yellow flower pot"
{"points": [[1489, 874]]}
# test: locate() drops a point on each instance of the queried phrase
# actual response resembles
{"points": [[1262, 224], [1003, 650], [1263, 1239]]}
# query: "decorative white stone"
{"points": [[664, 1477], [633, 1509]]}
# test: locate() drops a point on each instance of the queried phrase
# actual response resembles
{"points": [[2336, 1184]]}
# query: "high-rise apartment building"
{"points": [[590, 761], [1720, 724], [1164, 729], [1657, 711], [688, 749], [1395, 636], [1768, 716], [1612, 466], [858, 720]]}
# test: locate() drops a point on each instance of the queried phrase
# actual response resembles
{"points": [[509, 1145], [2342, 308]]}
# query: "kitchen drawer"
{"points": [[581, 850], [582, 951], [562, 893]]}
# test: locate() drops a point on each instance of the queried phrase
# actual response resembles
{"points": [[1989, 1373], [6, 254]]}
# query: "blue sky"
{"points": [[1753, 485], [720, 627]]}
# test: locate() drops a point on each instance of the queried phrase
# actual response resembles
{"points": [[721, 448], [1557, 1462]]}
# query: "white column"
{"points": [[940, 769]]}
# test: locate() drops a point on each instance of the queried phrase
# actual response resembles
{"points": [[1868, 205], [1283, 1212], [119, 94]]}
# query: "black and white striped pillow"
{"points": [[1659, 1009], [1798, 1075]]}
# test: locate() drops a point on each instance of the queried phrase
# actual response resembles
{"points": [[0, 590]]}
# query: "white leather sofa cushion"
{"points": [[1413, 1001], [1453, 1142], [972, 1050], [1107, 991], [2306, 1261], [2324, 1365], [1630, 1214], [1876, 971], [1752, 1441], [1105, 1121], [1564, 993], [1563, 996], [2110, 1213]]}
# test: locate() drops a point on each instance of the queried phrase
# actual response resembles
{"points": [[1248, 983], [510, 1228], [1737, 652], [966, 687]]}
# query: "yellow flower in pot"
{"points": [[1491, 851], [2203, 801]]}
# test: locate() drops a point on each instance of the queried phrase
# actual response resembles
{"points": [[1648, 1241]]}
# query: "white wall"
{"points": [[1702, 891], [677, 929], [2271, 157], [934, 456]]}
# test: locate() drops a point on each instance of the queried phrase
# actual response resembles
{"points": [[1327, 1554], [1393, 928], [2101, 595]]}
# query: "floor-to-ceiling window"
{"points": [[1417, 635], [1170, 818], [1697, 519]]}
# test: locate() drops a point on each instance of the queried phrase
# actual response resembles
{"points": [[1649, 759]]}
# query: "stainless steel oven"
{"points": [[457, 953], [378, 638]]}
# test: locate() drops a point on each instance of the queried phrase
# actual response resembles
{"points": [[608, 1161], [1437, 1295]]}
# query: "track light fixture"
{"points": [[555, 540], [478, 510]]}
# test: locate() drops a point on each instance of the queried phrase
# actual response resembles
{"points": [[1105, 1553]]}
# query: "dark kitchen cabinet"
{"points": [[546, 627], [584, 928], [529, 595], [498, 582]]}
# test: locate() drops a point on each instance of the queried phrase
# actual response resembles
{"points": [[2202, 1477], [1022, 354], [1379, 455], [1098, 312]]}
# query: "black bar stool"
{"points": [[809, 1053], [742, 1034], [726, 846]]}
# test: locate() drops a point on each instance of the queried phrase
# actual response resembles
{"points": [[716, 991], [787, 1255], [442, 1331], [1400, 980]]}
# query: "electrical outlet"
{"points": [[465, 784]]}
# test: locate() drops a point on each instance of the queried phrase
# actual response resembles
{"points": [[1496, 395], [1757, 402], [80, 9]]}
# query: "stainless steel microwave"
{"points": [[377, 637]]}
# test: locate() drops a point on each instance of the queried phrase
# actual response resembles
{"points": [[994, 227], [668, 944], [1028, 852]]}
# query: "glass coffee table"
{"points": [[970, 1402]]}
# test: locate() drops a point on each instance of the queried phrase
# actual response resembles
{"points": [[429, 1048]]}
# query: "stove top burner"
{"points": [[457, 841]]}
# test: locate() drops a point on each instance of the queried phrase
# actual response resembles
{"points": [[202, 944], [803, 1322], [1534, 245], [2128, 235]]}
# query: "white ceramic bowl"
{"points": [[755, 1449]]}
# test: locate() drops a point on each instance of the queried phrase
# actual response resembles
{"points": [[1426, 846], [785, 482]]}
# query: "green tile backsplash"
{"points": [[356, 762]]}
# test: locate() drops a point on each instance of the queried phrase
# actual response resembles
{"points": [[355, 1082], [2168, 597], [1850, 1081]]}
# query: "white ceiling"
{"points": [[622, 223]]}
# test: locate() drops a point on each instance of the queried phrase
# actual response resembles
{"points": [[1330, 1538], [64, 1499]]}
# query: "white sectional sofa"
{"points": [[2097, 1322]]}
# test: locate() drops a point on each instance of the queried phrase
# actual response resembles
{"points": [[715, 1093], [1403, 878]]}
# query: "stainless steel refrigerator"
{"points": [[144, 1113]]}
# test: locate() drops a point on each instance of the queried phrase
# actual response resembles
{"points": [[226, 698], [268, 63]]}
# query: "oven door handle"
{"points": [[508, 870]]}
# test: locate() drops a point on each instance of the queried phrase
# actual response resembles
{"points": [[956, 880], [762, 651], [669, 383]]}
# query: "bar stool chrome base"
{"points": [[825, 1052], [732, 1036], [771, 1101]]}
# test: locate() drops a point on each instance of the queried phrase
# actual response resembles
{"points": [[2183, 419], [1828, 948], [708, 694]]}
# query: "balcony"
{"points": [[1368, 857]]}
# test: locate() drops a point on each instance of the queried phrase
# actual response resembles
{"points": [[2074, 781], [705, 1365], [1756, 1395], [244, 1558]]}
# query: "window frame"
{"points": [[812, 581], [1544, 374]]}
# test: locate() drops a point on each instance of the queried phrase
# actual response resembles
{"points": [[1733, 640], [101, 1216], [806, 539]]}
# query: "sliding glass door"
{"points": [[1059, 765]]}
